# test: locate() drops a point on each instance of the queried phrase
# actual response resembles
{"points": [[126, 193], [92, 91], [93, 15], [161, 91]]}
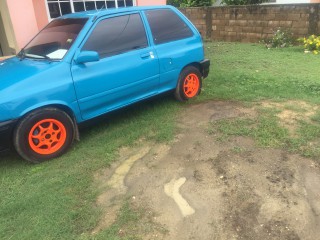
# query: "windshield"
{"points": [[54, 41]]}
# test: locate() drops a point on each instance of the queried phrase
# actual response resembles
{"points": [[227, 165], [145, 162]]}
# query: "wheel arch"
{"points": [[193, 64], [61, 107], [193, 90]]}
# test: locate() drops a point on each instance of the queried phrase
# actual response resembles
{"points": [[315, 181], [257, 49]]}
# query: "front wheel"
{"points": [[43, 134], [189, 84]]}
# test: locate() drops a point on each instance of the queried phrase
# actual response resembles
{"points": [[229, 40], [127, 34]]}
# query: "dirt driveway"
{"points": [[200, 188]]}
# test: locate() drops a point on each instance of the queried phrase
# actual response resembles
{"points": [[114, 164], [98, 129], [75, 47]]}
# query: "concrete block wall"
{"points": [[254, 23], [198, 16]]}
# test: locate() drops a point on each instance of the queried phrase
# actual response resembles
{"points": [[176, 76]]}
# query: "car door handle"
{"points": [[147, 55]]}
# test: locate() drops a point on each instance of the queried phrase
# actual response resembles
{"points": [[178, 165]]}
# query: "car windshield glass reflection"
{"points": [[54, 41]]}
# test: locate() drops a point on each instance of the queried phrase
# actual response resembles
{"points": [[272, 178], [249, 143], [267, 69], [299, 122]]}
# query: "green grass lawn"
{"points": [[56, 199], [251, 72]]}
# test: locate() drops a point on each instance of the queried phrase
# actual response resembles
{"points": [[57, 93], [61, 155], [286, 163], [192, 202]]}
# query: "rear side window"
{"points": [[167, 26], [117, 35]]}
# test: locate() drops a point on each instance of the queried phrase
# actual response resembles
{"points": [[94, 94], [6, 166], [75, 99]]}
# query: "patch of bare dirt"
{"points": [[291, 112], [234, 190]]}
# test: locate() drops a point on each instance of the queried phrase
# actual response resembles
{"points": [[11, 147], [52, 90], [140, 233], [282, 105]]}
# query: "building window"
{"points": [[58, 8]]}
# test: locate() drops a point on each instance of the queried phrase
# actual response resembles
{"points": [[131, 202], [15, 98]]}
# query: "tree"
{"points": [[243, 2], [175, 3], [190, 3]]}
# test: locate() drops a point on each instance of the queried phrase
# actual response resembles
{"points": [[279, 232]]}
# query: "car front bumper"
{"points": [[205, 68], [6, 133]]}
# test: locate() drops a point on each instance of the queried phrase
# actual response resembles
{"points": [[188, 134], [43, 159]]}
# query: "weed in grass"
{"points": [[316, 117], [295, 108], [265, 130], [197, 144], [132, 223], [231, 127], [311, 152], [308, 131], [237, 149], [269, 133]]}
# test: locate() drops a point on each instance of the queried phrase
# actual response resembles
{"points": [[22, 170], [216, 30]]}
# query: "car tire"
{"points": [[189, 84], [44, 134]]}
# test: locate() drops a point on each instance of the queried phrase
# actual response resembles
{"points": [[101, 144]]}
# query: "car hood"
{"points": [[14, 70]]}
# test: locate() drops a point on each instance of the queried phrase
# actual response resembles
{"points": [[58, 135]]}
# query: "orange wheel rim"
{"points": [[191, 85], [47, 136]]}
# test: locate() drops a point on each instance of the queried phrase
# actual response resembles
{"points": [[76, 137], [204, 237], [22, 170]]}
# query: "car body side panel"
{"points": [[183, 52], [35, 84], [104, 85], [95, 88], [114, 81], [29, 84], [175, 55]]}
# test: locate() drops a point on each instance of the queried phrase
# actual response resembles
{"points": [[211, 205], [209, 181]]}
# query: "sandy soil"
{"points": [[200, 188]]}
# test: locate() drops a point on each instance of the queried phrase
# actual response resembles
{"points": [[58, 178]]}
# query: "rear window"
{"points": [[167, 26]]}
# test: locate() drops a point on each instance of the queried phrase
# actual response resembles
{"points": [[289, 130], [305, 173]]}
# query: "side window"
{"points": [[167, 26], [117, 35]]}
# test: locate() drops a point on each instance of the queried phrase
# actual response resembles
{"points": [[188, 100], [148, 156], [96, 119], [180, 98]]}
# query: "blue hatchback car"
{"points": [[83, 65]]}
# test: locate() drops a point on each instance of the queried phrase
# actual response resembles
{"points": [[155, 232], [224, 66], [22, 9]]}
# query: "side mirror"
{"points": [[87, 56]]}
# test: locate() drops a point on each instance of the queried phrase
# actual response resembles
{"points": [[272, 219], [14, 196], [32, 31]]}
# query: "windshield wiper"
{"points": [[21, 54], [45, 57]]}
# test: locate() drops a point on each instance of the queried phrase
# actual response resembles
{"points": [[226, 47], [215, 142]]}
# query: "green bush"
{"points": [[311, 44], [175, 3], [281, 38], [243, 2], [190, 3]]}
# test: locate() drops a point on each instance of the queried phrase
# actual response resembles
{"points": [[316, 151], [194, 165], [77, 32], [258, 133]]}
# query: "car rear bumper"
{"points": [[6, 132], [205, 67]]}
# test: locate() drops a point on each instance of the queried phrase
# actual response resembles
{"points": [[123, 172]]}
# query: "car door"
{"points": [[128, 69], [177, 44]]}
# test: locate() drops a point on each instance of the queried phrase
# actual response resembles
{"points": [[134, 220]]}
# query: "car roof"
{"points": [[106, 12]]}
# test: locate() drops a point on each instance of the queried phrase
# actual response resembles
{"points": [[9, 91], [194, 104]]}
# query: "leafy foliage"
{"points": [[281, 38], [190, 3], [243, 2], [175, 3], [311, 44]]}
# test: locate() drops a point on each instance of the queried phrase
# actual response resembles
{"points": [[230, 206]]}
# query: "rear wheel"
{"points": [[189, 84], [44, 134]]}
